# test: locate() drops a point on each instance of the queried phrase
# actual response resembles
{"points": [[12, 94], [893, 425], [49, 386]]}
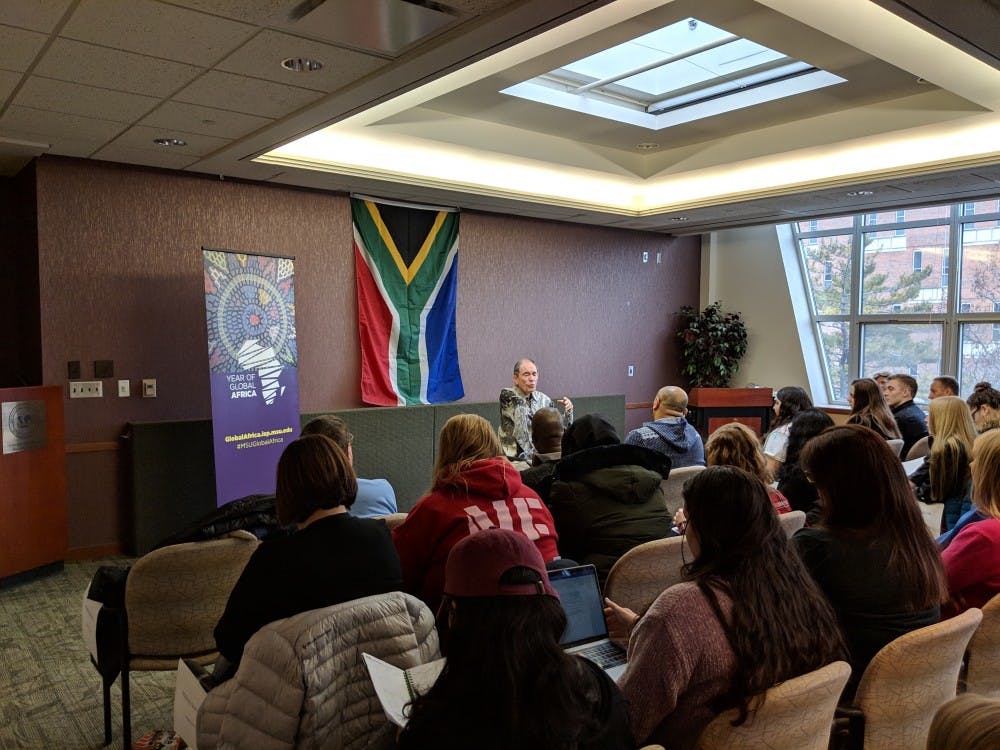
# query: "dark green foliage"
{"points": [[712, 344]]}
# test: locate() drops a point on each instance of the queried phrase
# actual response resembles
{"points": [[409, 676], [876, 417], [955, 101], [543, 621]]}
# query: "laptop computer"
{"points": [[586, 632]]}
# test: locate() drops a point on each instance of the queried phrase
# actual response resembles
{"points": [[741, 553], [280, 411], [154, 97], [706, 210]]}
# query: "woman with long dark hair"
{"points": [[507, 683], [746, 617], [792, 480], [869, 409], [871, 552], [788, 402]]}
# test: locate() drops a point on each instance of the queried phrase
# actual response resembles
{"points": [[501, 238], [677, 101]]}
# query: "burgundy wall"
{"points": [[121, 279]]}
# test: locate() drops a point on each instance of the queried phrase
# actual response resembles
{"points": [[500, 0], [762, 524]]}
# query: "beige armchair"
{"points": [[673, 485], [906, 683], [983, 676], [644, 572], [174, 596], [798, 714]]}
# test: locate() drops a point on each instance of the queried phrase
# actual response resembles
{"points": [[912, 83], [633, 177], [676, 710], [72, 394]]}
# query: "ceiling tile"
{"points": [[54, 124], [141, 136], [8, 81], [18, 48], [249, 95], [78, 99], [156, 29], [69, 60], [38, 15], [260, 12], [261, 57], [164, 158], [193, 118]]}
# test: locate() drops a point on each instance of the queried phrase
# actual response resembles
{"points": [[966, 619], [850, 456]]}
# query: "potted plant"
{"points": [[712, 344]]}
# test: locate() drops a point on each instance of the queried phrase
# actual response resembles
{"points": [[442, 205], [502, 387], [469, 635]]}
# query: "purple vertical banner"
{"points": [[253, 366]]}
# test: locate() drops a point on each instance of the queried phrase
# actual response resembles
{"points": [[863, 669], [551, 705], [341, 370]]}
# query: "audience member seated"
{"points": [[518, 405], [333, 557], [546, 433], [474, 488], [942, 385], [900, 391], [508, 683], [871, 552], [944, 476], [972, 560], [793, 482], [670, 433], [735, 444], [968, 722], [882, 378], [985, 406], [606, 497], [868, 408], [788, 402], [747, 616], [375, 496]]}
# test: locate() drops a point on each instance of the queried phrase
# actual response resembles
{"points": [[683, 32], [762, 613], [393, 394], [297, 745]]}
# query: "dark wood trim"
{"points": [[92, 553], [640, 405], [109, 446]]}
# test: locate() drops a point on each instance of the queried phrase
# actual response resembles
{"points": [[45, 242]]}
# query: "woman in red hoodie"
{"points": [[475, 487]]}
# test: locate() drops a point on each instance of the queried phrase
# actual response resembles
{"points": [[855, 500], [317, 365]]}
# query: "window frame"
{"points": [[951, 320]]}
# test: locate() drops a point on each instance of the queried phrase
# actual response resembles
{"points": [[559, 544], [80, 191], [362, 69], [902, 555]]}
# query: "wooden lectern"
{"points": [[33, 526], [710, 408]]}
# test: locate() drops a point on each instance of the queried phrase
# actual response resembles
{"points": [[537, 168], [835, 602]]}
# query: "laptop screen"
{"points": [[580, 597]]}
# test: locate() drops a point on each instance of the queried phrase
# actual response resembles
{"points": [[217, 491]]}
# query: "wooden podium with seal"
{"points": [[33, 523]]}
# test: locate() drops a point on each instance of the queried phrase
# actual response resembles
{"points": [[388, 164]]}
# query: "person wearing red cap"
{"points": [[474, 488], [507, 682]]}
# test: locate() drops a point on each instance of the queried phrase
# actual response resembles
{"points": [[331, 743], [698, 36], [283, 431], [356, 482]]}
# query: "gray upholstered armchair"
{"points": [[174, 596]]}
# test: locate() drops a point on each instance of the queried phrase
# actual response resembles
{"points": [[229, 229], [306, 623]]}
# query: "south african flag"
{"points": [[406, 264]]}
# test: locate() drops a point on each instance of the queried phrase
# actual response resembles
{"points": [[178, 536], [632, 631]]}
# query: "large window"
{"points": [[913, 290]]}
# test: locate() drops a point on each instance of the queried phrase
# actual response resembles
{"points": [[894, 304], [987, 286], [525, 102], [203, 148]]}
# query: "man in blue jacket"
{"points": [[670, 433]]}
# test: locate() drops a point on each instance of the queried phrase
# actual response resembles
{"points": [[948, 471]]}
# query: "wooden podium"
{"points": [[710, 408], [33, 527]]}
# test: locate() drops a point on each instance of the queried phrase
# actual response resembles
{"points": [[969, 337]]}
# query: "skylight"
{"points": [[686, 71]]}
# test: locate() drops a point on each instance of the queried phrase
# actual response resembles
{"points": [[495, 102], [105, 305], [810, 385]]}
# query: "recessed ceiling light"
{"points": [[301, 64], [647, 146], [169, 142], [860, 193]]}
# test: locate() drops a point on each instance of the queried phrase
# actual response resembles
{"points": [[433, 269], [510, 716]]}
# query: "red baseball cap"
{"points": [[476, 564]]}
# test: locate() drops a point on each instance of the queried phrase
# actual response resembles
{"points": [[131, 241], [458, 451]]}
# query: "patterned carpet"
{"points": [[50, 694]]}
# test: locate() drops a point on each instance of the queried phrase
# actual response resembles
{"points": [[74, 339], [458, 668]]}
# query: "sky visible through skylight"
{"points": [[683, 72]]}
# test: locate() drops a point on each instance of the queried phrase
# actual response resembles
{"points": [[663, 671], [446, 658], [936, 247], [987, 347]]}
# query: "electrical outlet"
{"points": [[124, 389], [645, 256], [86, 389], [631, 370], [149, 388]]}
